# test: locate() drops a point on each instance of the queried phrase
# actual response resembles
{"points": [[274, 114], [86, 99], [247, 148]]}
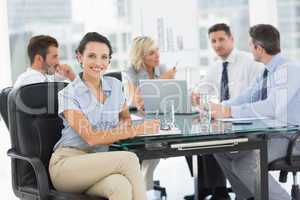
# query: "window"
{"points": [[289, 27], [67, 21]]}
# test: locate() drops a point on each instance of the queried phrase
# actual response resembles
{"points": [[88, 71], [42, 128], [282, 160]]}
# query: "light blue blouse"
{"points": [[77, 96], [135, 76]]}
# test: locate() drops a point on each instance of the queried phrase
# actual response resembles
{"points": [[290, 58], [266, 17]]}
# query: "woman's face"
{"points": [[151, 57], [94, 59]]}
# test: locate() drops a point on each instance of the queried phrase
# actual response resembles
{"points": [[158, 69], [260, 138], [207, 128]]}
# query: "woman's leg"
{"points": [[72, 170], [114, 187]]}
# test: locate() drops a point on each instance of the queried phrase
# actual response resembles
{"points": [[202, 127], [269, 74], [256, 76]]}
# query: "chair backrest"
{"points": [[117, 75], [3, 103], [34, 126]]}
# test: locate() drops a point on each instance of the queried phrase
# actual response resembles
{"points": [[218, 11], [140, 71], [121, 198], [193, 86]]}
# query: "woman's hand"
{"points": [[149, 127], [170, 74], [139, 102]]}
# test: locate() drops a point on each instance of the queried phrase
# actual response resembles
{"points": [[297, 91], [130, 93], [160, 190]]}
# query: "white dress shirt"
{"points": [[31, 76], [242, 70]]}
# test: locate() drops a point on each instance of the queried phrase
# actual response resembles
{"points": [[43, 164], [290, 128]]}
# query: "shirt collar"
{"points": [[30, 69], [276, 61], [81, 87], [230, 59]]}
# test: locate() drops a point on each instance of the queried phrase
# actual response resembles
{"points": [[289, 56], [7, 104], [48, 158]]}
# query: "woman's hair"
{"points": [[140, 46], [93, 37]]}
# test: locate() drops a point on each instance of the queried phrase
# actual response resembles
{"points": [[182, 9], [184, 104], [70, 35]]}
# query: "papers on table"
{"points": [[173, 131], [241, 119], [136, 117]]}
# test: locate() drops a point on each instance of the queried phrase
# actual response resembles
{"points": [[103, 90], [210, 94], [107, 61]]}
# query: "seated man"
{"points": [[44, 59], [276, 94], [227, 78]]}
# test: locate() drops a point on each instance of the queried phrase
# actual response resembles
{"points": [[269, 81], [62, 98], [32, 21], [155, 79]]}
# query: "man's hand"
{"points": [[66, 71], [219, 111], [170, 74]]}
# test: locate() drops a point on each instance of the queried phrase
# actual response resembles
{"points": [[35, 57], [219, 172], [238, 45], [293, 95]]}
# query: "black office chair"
{"points": [[34, 129], [117, 75], [287, 164], [3, 104]]}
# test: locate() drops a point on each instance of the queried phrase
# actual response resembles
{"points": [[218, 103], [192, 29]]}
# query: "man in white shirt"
{"points": [[232, 73], [42, 51]]}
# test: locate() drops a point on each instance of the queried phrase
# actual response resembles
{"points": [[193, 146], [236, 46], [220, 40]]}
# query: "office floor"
{"points": [[173, 173]]}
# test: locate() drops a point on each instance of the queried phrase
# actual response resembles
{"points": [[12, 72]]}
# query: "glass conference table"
{"points": [[197, 138]]}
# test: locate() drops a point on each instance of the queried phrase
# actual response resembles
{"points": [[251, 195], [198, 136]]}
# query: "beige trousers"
{"points": [[113, 175]]}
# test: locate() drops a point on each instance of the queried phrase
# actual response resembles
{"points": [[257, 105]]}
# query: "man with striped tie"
{"points": [[276, 94], [232, 72]]}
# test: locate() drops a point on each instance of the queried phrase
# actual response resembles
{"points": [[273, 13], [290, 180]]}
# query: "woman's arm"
{"points": [[136, 96], [83, 127], [170, 74]]}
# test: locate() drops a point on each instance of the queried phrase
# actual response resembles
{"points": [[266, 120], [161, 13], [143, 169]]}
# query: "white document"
{"points": [[173, 131], [136, 117], [241, 119]]}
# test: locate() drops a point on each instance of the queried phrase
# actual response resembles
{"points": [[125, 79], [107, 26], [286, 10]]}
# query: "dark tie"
{"points": [[224, 83], [264, 91]]}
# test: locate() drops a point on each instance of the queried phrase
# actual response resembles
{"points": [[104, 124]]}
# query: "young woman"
{"points": [[95, 115]]}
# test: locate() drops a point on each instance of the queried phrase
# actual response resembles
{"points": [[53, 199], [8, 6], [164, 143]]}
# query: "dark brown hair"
{"points": [[220, 27], [93, 37], [38, 45], [266, 36]]}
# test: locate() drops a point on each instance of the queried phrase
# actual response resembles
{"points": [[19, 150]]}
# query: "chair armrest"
{"points": [[291, 146], [39, 170]]}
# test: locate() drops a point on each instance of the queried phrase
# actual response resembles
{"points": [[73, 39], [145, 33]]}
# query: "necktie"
{"points": [[264, 91], [224, 83]]}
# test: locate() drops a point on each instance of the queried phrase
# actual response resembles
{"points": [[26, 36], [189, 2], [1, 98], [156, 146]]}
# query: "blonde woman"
{"points": [[145, 64]]}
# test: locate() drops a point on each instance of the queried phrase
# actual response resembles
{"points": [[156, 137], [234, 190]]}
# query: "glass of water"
{"points": [[205, 109], [169, 114]]}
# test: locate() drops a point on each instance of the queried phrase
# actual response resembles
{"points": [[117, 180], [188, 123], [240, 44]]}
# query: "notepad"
{"points": [[136, 117], [173, 131], [241, 119]]}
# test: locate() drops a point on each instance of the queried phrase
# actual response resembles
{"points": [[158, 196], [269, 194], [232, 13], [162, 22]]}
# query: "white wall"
{"points": [[263, 12], [5, 71], [180, 18]]}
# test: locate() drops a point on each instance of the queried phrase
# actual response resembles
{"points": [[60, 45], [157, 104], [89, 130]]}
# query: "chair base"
{"points": [[295, 192]]}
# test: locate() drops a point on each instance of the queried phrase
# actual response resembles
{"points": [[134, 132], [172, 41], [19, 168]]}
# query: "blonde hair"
{"points": [[140, 46]]}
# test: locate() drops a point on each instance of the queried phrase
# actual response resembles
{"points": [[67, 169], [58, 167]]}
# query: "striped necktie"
{"points": [[224, 83], [264, 90]]}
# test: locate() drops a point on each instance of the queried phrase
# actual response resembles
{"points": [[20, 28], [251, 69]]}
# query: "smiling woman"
{"points": [[95, 115]]}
